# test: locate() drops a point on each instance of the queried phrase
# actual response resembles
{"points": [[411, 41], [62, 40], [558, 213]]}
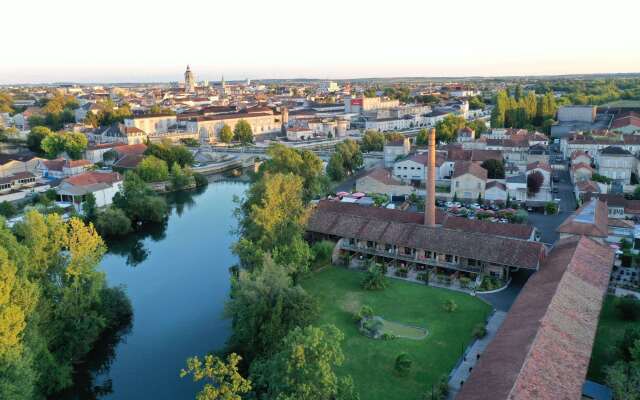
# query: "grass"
{"points": [[403, 331], [610, 330], [370, 362]]}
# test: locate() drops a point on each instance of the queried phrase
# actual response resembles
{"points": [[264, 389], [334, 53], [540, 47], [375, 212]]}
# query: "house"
{"points": [[62, 168], [466, 134], [468, 180], [580, 172], [585, 187], [94, 153], [517, 187], [627, 123], [11, 164], [395, 149], [544, 169], [380, 180], [539, 153], [103, 185], [412, 168], [581, 157], [299, 133], [496, 191], [119, 133], [616, 163], [17, 181]]}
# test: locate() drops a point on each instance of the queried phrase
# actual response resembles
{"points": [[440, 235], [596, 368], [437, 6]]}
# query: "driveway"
{"points": [[503, 300], [547, 224]]}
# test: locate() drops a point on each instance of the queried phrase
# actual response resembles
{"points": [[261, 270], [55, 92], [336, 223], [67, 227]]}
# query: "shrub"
{"points": [[7, 209], [200, 179], [465, 282], [113, 222], [424, 277], [374, 280], [449, 306], [628, 307], [490, 283], [479, 331], [322, 252], [403, 364], [551, 208], [388, 336], [365, 312]]}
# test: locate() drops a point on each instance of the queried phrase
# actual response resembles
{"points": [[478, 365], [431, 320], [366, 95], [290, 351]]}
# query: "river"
{"points": [[177, 278]]}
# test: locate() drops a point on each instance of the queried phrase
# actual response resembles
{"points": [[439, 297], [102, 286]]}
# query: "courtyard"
{"points": [[371, 362]]}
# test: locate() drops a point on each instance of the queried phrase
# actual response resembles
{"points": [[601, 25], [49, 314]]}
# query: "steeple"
{"points": [[189, 80]]}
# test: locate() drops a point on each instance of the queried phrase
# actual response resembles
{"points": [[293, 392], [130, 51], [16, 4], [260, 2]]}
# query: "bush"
{"points": [[7, 209], [113, 222], [322, 252], [464, 282], [388, 336], [490, 283], [424, 277], [551, 208], [628, 307], [403, 364], [374, 280], [402, 273], [449, 306], [200, 179], [479, 331], [365, 312]]}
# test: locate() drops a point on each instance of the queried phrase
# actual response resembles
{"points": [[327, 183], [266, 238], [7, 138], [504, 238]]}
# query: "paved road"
{"points": [[547, 224]]}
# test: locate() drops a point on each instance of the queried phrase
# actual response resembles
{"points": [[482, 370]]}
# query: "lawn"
{"points": [[610, 330], [369, 361]]}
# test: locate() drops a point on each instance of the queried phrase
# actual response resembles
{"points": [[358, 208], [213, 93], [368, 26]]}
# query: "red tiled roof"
{"points": [[627, 120], [131, 149], [588, 187], [543, 348], [383, 176], [92, 177], [468, 167], [577, 166], [588, 220], [579, 153], [539, 165]]}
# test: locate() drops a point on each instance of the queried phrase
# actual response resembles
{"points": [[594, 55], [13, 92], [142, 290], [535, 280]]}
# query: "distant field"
{"points": [[370, 361], [622, 103], [610, 330]]}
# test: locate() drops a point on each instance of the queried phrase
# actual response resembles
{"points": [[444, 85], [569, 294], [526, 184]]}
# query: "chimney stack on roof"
{"points": [[430, 182]]}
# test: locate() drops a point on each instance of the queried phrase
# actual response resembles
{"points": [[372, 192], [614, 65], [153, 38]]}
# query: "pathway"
{"points": [[463, 369]]}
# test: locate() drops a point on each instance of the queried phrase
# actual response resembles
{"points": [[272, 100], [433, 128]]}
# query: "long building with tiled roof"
{"points": [[469, 246]]}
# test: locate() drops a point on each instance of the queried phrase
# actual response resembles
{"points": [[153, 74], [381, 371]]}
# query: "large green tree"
{"points": [[243, 132], [226, 134], [153, 169], [372, 141], [222, 379], [138, 201]]}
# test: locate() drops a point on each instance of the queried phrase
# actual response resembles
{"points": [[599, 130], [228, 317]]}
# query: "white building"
{"points": [[103, 185], [393, 150]]}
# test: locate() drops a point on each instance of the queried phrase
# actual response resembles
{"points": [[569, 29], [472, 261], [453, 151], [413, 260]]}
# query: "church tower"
{"points": [[189, 81]]}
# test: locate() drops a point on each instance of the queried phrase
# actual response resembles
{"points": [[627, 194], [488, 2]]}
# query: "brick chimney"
{"points": [[430, 182]]}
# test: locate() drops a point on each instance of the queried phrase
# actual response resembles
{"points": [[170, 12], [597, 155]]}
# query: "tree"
{"points": [[264, 306], [226, 134], [476, 103], [138, 201], [335, 167], [551, 208], [113, 222], [322, 252], [75, 144], [374, 279], [243, 132], [7, 209], [534, 182], [180, 177], [170, 153], [447, 128], [223, 380], [295, 257], [625, 345], [422, 137], [53, 145], [393, 137], [372, 141], [89, 208], [495, 168], [305, 367], [518, 94], [35, 137], [152, 169], [499, 112], [628, 307], [403, 364], [351, 155]]}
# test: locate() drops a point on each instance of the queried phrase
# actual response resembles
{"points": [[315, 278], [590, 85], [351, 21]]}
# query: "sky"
{"points": [[151, 41]]}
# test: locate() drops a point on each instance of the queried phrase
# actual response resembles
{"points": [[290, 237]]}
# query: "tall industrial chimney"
{"points": [[430, 182]]}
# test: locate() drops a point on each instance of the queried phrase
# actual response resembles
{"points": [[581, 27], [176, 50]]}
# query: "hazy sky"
{"points": [[139, 40]]}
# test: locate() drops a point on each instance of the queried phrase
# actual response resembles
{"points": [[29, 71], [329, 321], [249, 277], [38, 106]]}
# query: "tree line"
{"points": [[527, 111]]}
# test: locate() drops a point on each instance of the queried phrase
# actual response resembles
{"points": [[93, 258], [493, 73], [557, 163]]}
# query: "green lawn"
{"points": [[610, 330], [369, 361]]}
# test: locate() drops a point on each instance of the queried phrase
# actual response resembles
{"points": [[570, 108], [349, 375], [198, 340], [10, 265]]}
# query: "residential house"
{"points": [[103, 185], [627, 123], [11, 164], [299, 133], [517, 187], [62, 168], [380, 180], [586, 187], [395, 149], [466, 134], [16, 181], [580, 172], [496, 191], [95, 152], [468, 180], [581, 157], [412, 169], [538, 153], [616, 163]]}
